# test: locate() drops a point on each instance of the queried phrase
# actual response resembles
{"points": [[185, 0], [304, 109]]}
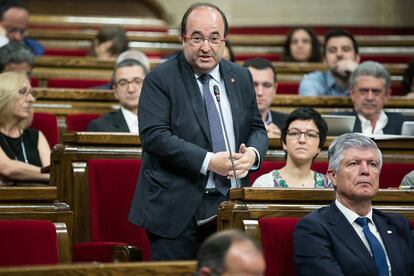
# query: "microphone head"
{"points": [[216, 90]]}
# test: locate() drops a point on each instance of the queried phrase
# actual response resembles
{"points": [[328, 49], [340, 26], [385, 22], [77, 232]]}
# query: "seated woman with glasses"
{"points": [[23, 151], [302, 139]]}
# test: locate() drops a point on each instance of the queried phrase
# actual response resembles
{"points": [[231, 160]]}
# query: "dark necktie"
{"points": [[216, 132], [376, 248]]}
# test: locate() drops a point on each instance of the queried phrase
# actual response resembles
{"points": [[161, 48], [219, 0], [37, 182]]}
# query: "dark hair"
{"points": [[213, 251], [117, 36], [231, 53], [261, 64], [198, 5], [339, 33], [315, 50], [8, 4], [15, 52], [306, 113], [407, 81], [128, 63]]}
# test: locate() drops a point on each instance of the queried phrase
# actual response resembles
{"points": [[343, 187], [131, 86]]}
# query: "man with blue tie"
{"points": [[186, 167], [349, 237]]}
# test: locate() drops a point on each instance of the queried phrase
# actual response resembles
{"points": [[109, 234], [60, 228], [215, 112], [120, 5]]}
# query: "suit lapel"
{"points": [[193, 93], [231, 83], [345, 232], [119, 122], [390, 239], [357, 125]]}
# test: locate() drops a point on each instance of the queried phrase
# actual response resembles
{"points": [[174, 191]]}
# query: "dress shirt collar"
{"points": [[350, 215], [215, 74], [131, 120], [268, 119], [366, 127]]}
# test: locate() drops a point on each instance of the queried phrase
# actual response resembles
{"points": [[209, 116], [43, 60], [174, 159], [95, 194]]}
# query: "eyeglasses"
{"points": [[25, 92], [197, 40], [123, 83], [309, 134], [12, 30]]}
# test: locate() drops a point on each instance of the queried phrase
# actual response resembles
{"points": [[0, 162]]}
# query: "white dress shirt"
{"points": [[366, 127], [131, 120], [351, 216]]}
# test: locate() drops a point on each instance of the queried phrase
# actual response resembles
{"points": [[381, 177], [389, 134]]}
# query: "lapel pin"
{"points": [[389, 232], [232, 80]]}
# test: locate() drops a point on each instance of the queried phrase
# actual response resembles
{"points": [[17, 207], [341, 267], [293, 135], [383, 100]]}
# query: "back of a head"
{"points": [[260, 64], [135, 55], [373, 69], [15, 52]]}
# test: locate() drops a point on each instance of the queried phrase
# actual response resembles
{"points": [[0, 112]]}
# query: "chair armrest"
{"points": [[105, 252], [126, 253]]}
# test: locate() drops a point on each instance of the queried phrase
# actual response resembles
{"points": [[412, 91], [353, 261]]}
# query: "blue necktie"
{"points": [[376, 248], [216, 132]]}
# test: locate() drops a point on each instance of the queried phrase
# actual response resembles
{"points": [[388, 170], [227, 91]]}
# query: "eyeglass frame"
{"points": [[25, 92], [305, 134], [132, 82], [203, 38]]}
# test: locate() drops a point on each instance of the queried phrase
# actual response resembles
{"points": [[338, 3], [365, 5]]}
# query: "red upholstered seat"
{"points": [[28, 242], [75, 83], [47, 123], [277, 243], [79, 122], [393, 173], [112, 183]]}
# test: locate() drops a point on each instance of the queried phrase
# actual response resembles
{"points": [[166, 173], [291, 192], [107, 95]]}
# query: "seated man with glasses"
{"points": [[302, 138], [127, 82]]}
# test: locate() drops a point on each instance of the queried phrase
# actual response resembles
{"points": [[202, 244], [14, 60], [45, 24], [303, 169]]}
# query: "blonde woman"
{"points": [[23, 151]]}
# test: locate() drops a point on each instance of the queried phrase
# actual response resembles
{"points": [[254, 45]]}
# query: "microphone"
{"points": [[217, 94]]}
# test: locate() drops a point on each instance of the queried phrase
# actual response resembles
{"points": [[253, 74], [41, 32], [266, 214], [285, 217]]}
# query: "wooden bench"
{"points": [[143, 268]]}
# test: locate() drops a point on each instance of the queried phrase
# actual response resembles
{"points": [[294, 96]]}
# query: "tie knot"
{"points": [[362, 221], [205, 78]]}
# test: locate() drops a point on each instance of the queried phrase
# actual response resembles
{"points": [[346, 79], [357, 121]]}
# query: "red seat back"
{"points": [[277, 243], [112, 184], [28, 242], [79, 122], [48, 125]]}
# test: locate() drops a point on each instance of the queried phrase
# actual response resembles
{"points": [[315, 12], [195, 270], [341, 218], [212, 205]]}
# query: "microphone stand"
{"points": [[217, 94]]}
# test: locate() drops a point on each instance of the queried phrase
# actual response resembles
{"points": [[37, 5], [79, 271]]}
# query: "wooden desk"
{"points": [[250, 204]]}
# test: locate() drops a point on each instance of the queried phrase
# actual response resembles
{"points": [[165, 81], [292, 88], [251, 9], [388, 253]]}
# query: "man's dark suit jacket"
{"points": [[111, 122], [394, 125], [279, 118], [326, 244], [175, 138]]}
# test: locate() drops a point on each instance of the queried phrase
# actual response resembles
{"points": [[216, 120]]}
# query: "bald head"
{"points": [[15, 21]]}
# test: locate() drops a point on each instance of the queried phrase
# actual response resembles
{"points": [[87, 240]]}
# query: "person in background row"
{"points": [[109, 43], [232, 253], [302, 45], [23, 150], [228, 52], [340, 54], [265, 85], [369, 90], [349, 237], [16, 57], [14, 18], [408, 80], [127, 82], [303, 137], [408, 181]]}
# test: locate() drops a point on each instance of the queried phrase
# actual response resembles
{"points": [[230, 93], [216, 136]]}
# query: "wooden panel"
{"points": [[24, 194]]}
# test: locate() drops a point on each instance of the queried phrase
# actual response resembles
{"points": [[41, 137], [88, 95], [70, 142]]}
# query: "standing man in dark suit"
{"points": [[349, 237], [265, 84], [127, 82], [369, 90], [186, 168]]}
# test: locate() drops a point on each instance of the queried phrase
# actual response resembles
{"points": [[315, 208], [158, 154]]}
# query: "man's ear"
{"points": [[332, 176], [204, 271]]}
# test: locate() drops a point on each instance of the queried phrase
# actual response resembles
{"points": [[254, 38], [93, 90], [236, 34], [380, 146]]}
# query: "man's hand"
{"points": [[220, 163], [345, 67], [272, 131], [243, 161]]}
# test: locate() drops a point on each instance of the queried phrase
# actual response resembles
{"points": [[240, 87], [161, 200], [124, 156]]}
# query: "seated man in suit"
{"points": [[340, 54], [349, 237], [127, 83], [369, 90], [265, 84], [230, 252]]}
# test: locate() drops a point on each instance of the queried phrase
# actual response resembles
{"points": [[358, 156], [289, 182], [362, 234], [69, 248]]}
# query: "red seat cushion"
{"points": [[75, 83], [79, 122], [112, 184], [28, 242], [288, 88], [48, 125], [277, 243], [393, 173]]}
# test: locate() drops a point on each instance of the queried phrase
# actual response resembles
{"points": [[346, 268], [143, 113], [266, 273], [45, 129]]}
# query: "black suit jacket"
{"points": [[109, 122], [326, 244], [175, 138], [279, 118], [394, 125]]}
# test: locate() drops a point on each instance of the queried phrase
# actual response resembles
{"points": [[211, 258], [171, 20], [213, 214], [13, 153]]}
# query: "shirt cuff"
{"points": [[256, 164], [206, 162]]}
